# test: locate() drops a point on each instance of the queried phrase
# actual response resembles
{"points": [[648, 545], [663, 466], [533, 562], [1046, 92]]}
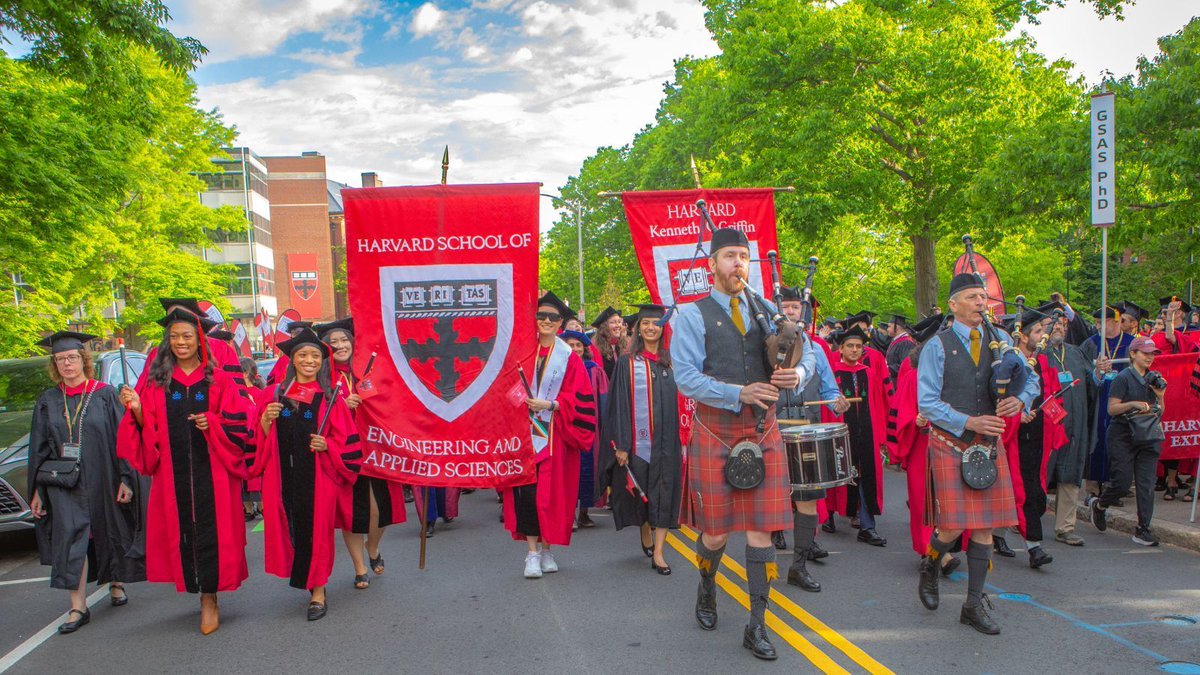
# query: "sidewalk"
{"points": [[1170, 523]]}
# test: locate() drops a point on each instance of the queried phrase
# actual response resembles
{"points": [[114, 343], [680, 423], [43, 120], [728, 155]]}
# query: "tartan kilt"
{"points": [[958, 507], [716, 506]]}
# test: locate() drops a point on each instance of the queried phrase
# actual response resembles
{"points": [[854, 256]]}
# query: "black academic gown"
{"points": [[1066, 465], [662, 476], [86, 522]]}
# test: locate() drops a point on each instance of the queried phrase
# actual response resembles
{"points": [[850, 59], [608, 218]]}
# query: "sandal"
{"points": [[116, 601], [376, 565], [361, 581], [1187, 496], [1169, 495]]}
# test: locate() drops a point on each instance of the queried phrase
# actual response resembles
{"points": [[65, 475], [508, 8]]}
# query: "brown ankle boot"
{"points": [[210, 614]]}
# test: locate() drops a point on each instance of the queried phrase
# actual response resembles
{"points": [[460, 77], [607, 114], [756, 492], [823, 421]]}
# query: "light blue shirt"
{"points": [[824, 371], [687, 352], [931, 369]]}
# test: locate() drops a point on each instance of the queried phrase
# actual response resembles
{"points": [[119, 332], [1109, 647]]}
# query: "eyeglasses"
{"points": [[549, 316], [69, 358]]}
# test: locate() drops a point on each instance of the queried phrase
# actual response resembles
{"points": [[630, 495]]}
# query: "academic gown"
{"points": [[354, 499], [1066, 465], [573, 430], [1118, 348], [195, 530], [301, 487], [1045, 437], [1184, 343], [867, 421], [589, 461], [897, 352], [86, 522], [278, 371], [662, 476]]}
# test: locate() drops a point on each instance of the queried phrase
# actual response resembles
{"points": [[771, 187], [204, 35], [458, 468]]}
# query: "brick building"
{"points": [[301, 235]]}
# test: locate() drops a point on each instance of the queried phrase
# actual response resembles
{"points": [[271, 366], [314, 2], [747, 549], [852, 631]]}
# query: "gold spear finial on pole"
{"points": [[445, 163], [695, 172]]}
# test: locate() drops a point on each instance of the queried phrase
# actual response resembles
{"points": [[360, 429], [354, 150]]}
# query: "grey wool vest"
{"points": [[729, 356], [965, 386]]}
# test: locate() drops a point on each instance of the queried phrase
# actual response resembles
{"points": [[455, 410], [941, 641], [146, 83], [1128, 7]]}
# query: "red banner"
{"points": [[665, 227], [443, 284], [1181, 407], [240, 339], [305, 287], [284, 324], [991, 278]]}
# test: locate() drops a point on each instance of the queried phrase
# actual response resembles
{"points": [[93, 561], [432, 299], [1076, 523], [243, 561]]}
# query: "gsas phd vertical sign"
{"points": [[1104, 156]]}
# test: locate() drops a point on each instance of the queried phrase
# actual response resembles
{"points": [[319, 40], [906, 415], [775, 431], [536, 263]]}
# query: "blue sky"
{"points": [[521, 90]]}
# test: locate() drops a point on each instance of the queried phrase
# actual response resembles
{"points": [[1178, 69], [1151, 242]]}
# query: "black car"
{"points": [[21, 382]]}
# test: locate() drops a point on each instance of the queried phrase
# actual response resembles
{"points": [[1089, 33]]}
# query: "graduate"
{"points": [[1065, 470], [1100, 351], [309, 451], [186, 429], [867, 420], [366, 505], [1173, 339], [87, 526], [281, 360], [562, 414], [640, 435], [220, 351], [610, 338], [588, 460], [911, 448], [1040, 434]]}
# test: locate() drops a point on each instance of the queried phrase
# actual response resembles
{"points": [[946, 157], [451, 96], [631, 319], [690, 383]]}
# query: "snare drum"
{"points": [[818, 456]]}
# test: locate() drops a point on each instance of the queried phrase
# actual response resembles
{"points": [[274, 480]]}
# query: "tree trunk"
{"points": [[925, 275]]}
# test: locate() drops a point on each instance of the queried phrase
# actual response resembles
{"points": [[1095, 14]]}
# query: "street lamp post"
{"points": [[575, 206]]}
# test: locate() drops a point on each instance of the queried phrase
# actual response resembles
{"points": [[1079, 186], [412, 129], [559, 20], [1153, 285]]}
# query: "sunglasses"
{"points": [[549, 316]]}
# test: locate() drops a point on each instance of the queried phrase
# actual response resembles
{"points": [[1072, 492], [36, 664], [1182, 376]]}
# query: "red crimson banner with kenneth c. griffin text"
{"points": [[442, 286]]}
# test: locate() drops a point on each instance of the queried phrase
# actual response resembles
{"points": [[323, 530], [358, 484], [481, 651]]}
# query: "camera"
{"points": [[1155, 380]]}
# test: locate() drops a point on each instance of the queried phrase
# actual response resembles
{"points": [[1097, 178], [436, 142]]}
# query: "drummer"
{"points": [[791, 406]]}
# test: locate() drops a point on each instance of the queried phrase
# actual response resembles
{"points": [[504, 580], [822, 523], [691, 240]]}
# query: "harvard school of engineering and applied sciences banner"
{"points": [[443, 286], [665, 227], [1181, 407]]}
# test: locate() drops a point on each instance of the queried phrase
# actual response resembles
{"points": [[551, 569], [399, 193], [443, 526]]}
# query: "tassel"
{"points": [[772, 572], [704, 564]]}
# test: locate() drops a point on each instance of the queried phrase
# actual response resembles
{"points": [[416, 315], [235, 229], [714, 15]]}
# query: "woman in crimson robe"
{"points": [[366, 505], [308, 454], [563, 424], [589, 459], [186, 430]]}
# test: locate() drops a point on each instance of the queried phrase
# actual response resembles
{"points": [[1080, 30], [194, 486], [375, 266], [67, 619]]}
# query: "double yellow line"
{"points": [[784, 630]]}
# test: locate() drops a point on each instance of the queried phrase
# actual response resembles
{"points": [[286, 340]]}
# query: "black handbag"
{"points": [[979, 470], [59, 473], [1147, 427], [745, 469]]}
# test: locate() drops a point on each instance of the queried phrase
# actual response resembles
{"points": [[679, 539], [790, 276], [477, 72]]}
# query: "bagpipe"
{"points": [[1010, 371]]}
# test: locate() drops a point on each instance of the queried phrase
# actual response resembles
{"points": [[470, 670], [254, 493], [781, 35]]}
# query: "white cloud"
{"points": [[233, 29], [427, 19]]}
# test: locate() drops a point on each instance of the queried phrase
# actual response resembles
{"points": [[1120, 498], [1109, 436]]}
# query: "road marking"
{"points": [[23, 581], [817, 657], [259, 527], [22, 650], [816, 625]]}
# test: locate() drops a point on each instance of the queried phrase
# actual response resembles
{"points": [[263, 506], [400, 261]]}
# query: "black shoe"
{"points": [[870, 536], [249, 515], [121, 601], [829, 526], [1000, 546], [584, 520], [758, 642], [1144, 537], [648, 551], [428, 530], [778, 540], [408, 496], [798, 575], [1039, 557], [855, 523], [1097, 514], [951, 565], [1119, 503], [815, 552], [316, 610], [664, 570], [927, 589], [977, 617], [85, 617], [706, 605]]}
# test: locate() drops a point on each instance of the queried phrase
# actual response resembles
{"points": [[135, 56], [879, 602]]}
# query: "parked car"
{"points": [[265, 366], [21, 382]]}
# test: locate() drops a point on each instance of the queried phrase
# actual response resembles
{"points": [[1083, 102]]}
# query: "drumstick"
{"points": [[793, 422], [856, 399]]}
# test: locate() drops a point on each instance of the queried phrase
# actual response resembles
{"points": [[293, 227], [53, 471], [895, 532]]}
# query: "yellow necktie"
{"points": [[975, 345], [736, 313]]}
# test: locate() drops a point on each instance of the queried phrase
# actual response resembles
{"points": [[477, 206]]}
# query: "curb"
{"points": [[1121, 520]]}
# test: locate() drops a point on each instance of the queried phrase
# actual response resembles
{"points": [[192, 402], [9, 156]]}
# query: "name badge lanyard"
{"points": [[71, 449]]}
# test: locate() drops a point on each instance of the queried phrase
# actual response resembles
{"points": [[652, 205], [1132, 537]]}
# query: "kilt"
{"points": [[958, 507], [716, 506]]}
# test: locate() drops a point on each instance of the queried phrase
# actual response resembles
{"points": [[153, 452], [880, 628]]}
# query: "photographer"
{"points": [[1134, 438]]}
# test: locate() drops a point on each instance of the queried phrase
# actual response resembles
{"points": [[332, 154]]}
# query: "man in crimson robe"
{"points": [[562, 412], [1173, 339]]}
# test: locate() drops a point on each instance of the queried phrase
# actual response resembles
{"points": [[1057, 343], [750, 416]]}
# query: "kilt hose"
{"points": [[958, 507], [716, 506]]}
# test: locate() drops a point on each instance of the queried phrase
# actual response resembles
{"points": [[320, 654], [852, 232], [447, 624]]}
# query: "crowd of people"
{"points": [[664, 416]]}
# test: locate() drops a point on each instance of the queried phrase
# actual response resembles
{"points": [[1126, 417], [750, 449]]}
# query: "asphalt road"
{"points": [[1095, 609]]}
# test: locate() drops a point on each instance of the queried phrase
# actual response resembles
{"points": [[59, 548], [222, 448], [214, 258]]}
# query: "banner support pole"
{"points": [[607, 193]]}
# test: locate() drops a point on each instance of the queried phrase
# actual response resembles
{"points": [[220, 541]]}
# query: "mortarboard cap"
{"points": [[552, 300], [324, 330], [604, 316], [65, 341], [304, 337]]}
